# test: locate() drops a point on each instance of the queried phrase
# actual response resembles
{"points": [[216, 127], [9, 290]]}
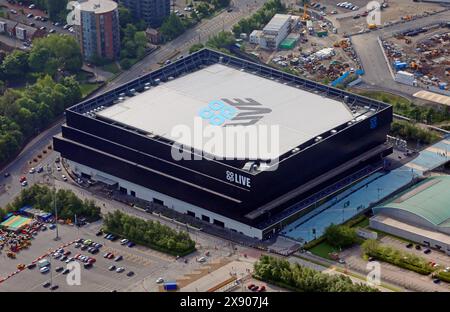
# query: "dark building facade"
{"points": [[221, 191], [153, 12]]}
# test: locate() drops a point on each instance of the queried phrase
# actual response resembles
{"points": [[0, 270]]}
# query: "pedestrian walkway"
{"points": [[365, 193]]}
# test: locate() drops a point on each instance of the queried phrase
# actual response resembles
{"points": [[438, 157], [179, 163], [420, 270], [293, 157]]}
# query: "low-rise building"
{"points": [[276, 30], [420, 214], [19, 31]]}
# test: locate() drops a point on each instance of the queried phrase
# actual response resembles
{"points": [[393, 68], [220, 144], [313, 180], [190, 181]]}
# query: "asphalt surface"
{"points": [[10, 187], [371, 55]]}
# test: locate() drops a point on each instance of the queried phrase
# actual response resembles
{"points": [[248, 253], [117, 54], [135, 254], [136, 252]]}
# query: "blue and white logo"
{"points": [[217, 112], [373, 122]]}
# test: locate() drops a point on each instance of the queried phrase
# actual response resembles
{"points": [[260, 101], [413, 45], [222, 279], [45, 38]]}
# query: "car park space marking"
{"points": [[128, 256]]}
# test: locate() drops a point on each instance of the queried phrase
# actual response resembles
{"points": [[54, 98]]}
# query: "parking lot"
{"points": [[146, 264]]}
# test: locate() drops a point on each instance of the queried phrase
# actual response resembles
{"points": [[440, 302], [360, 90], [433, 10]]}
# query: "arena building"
{"points": [[143, 138]]}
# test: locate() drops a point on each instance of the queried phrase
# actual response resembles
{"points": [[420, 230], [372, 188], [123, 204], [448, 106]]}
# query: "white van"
{"points": [[43, 263]]}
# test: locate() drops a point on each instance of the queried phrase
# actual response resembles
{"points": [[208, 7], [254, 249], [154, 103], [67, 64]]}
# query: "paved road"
{"points": [[200, 33], [10, 187], [375, 66]]}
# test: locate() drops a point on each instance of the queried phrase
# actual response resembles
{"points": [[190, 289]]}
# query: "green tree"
{"points": [[221, 41], [15, 65], [340, 236], [172, 27], [196, 47], [125, 16], [54, 53]]}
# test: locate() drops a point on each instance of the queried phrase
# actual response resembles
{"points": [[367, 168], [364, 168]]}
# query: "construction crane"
{"points": [[305, 15]]}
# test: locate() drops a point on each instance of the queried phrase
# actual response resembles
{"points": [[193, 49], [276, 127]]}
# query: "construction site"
{"points": [[311, 48], [422, 56]]}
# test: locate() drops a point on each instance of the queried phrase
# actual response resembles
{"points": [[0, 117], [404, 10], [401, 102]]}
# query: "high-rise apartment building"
{"points": [[153, 12], [99, 29]]}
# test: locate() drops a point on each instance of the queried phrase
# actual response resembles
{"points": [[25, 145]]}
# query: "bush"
{"points": [[149, 233], [125, 63], [340, 236], [396, 257], [411, 132], [299, 278]]}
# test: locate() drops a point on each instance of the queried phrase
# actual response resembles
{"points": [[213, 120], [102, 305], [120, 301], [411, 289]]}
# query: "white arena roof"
{"points": [[299, 115]]}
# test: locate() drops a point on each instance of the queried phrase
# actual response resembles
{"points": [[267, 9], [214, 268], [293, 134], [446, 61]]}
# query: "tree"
{"points": [[15, 65], [203, 9], [196, 47], [340, 236], [222, 40], [125, 16], [172, 27], [54, 53]]}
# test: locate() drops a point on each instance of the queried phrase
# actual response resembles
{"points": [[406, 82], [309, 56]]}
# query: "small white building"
{"points": [[405, 78], [256, 36]]}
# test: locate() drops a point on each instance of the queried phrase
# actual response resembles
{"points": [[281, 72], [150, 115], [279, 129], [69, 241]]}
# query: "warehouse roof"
{"points": [[277, 22], [429, 200], [298, 114], [433, 97]]}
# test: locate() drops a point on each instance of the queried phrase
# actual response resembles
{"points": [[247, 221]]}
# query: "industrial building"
{"points": [[420, 214], [274, 32], [126, 138], [99, 29], [153, 12]]}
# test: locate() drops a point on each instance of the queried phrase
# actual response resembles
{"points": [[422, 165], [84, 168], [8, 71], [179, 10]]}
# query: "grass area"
{"points": [[385, 97], [323, 250], [363, 223], [111, 67], [88, 88]]}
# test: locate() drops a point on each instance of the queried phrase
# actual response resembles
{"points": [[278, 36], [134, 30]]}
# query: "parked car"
{"points": [[59, 269], [131, 245], [124, 241], [46, 285], [410, 245], [44, 269], [120, 270], [112, 268], [54, 287], [427, 251], [160, 280], [118, 258], [130, 273]]}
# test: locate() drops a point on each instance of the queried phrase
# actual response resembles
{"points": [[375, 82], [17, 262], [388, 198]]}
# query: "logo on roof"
{"points": [[234, 112]]}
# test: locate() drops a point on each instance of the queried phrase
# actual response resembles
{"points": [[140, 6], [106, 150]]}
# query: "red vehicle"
{"points": [[68, 252], [76, 256], [251, 286], [255, 288], [91, 260], [110, 256], [263, 288], [22, 179]]}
